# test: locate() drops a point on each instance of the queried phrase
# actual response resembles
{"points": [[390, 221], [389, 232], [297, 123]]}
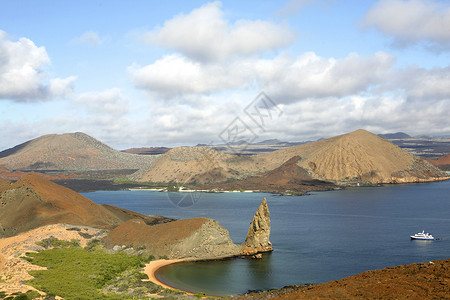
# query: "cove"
{"points": [[320, 237]]}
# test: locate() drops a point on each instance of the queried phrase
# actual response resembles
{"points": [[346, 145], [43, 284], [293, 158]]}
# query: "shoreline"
{"points": [[152, 267]]}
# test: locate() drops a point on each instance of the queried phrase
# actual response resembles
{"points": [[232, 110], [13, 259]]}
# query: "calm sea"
{"points": [[317, 238]]}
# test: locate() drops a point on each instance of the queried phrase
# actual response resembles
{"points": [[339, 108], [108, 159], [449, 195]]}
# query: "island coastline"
{"points": [[152, 267]]}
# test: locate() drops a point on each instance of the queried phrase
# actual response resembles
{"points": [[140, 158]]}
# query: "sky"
{"points": [[171, 73]]}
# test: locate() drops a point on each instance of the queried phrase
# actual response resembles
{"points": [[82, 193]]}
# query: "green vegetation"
{"points": [[20, 296], [73, 229], [200, 295], [53, 242], [75, 273]]}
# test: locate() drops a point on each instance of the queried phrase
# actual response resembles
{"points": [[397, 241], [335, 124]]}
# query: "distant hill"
{"points": [[70, 151], [442, 162], [395, 136], [33, 201], [199, 165], [287, 177], [359, 156]]}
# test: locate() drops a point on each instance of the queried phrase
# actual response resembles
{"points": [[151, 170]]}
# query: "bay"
{"points": [[320, 237]]}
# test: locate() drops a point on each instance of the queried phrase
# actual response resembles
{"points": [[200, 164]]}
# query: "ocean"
{"points": [[317, 238]]}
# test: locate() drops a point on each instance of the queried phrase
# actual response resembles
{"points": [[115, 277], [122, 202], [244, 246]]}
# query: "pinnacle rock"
{"points": [[257, 239]]}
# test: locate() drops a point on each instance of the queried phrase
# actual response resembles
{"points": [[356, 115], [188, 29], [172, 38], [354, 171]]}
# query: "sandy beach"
{"points": [[151, 268]]}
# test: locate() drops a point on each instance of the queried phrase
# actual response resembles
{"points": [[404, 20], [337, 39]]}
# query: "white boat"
{"points": [[422, 236]]}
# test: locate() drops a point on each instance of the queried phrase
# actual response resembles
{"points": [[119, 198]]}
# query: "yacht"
{"points": [[422, 236]]}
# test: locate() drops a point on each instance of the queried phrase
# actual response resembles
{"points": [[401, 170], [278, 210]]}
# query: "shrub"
{"points": [[85, 235], [92, 244], [53, 242], [75, 273], [74, 228]]}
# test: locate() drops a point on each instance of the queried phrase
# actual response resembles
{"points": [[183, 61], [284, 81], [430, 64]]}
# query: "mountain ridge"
{"points": [[70, 151]]}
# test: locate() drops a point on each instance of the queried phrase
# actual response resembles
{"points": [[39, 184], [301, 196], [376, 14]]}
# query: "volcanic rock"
{"points": [[257, 239], [198, 238]]}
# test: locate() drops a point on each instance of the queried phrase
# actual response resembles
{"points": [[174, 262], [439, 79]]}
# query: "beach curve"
{"points": [[151, 268]]}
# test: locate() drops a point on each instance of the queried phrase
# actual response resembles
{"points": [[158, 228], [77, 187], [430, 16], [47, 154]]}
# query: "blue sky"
{"points": [[151, 73]]}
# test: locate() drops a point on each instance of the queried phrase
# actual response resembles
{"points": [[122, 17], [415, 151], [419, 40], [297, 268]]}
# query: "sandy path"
{"points": [[151, 268]]}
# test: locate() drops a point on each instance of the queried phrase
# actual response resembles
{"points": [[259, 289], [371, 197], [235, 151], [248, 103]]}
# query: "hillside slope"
{"points": [[70, 151], [359, 156], [202, 165], [198, 238], [356, 157], [34, 201], [289, 177], [442, 162]]}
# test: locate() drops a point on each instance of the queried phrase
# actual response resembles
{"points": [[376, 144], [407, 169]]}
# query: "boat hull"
{"points": [[420, 238]]}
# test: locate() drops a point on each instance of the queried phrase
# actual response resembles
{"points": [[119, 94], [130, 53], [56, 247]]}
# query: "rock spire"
{"points": [[257, 239]]}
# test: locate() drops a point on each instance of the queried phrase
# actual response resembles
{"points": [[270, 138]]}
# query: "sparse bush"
{"points": [[85, 235], [53, 242], [74, 229], [93, 244]]}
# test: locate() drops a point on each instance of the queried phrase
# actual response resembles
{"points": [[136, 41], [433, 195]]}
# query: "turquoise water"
{"points": [[317, 238]]}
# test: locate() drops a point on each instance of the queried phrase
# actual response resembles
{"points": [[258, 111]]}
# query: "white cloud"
{"points": [[175, 75], [21, 72], [412, 21], [287, 78], [205, 35], [428, 85], [109, 103], [90, 38], [311, 76]]}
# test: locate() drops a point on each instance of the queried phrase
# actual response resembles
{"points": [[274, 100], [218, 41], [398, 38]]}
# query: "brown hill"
{"points": [[34, 201], [201, 165], [70, 151], [198, 238], [288, 177], [359, 156], [416, 281], [442, 162]]}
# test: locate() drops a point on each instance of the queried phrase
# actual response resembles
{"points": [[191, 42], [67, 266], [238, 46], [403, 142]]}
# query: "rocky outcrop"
{"points": [[198, 238], [257, 239]]}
